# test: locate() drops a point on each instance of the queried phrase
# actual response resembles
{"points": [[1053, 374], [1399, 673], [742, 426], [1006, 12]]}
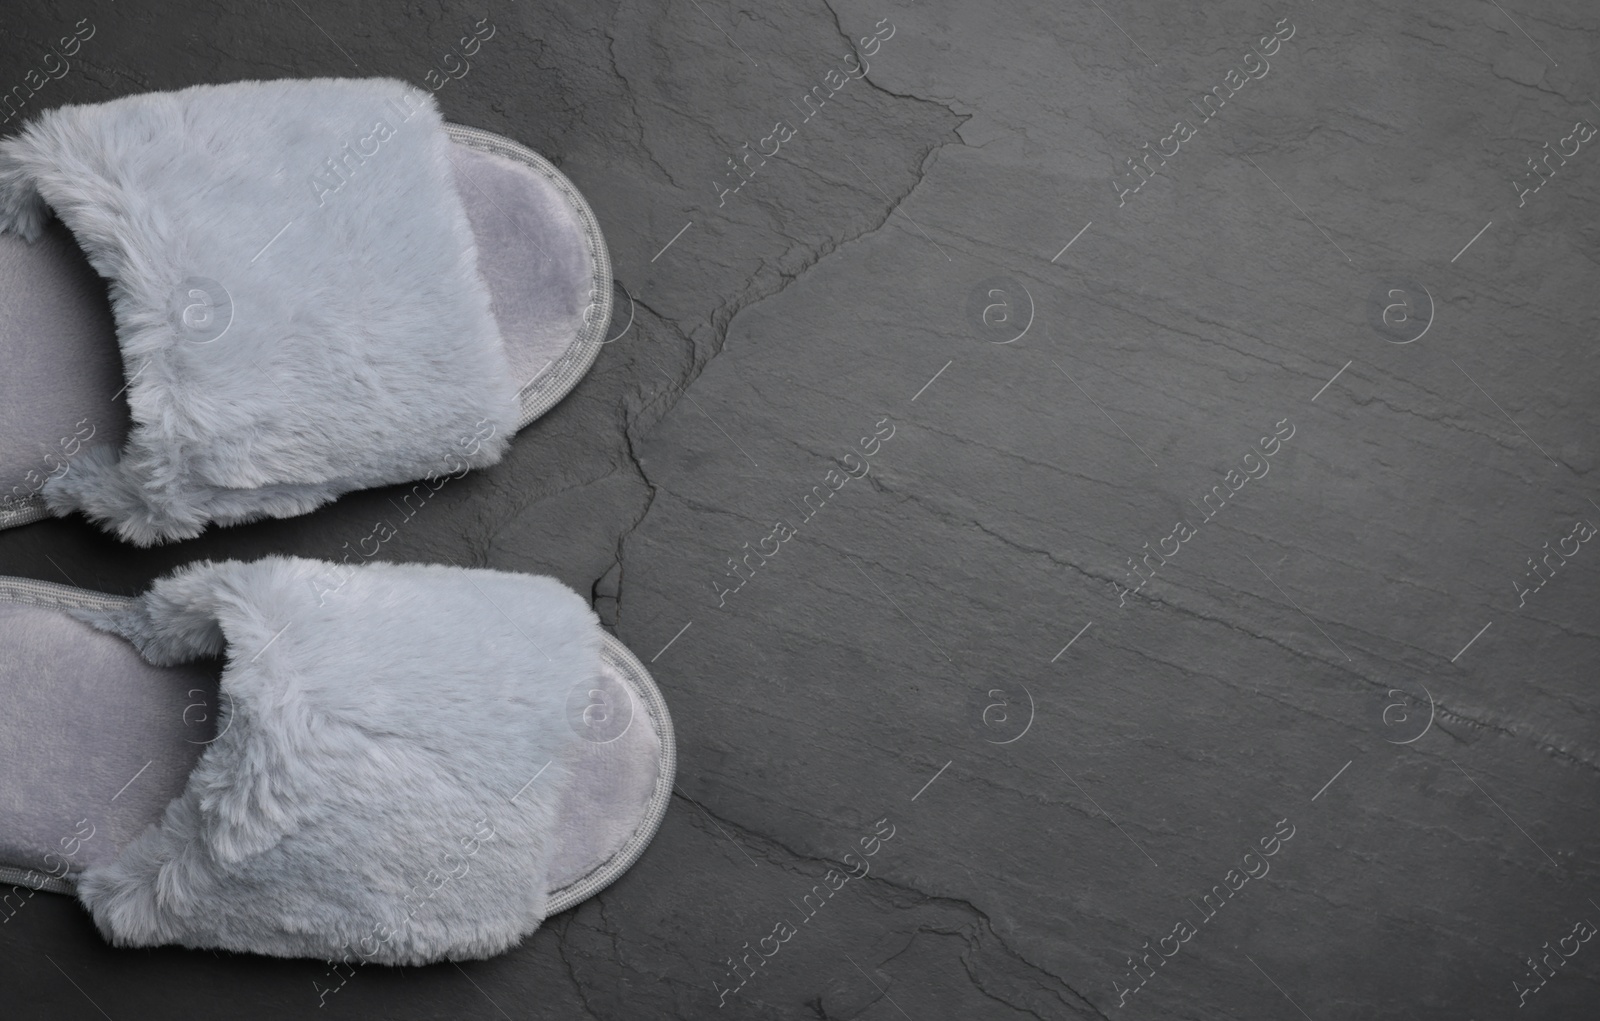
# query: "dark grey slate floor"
{"points": [[1006, 366]]}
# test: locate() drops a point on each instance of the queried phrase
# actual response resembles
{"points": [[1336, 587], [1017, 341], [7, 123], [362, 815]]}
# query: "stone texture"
{"points": [[902, 632]]}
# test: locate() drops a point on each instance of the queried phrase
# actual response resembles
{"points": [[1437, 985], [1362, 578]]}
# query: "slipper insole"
{"points": [[61, 376]]}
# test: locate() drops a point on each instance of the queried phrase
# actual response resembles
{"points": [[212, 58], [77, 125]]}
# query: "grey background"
{"points": [[870, 669]]}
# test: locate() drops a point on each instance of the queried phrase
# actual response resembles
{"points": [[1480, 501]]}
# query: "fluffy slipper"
{"points": [[397, 764], [315, 286]]}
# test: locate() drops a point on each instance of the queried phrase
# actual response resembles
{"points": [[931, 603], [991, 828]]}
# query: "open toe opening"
{"points": [[542, 255]]}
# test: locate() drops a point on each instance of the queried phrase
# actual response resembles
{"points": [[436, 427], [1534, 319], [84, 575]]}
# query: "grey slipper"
{"points": [[316, 286], [399, 763]]}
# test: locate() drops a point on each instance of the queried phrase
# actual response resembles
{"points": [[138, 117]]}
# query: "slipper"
{"points": [[315, 286], [398, 764]]}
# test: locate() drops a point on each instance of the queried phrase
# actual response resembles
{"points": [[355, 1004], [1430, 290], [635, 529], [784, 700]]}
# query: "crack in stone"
{"points": [[721, 319], [900, 891], [974, 941], [572, 973], [616, 946], [617, 564], [1544, 744], [633, 106], [967, 964], [897, 95]]}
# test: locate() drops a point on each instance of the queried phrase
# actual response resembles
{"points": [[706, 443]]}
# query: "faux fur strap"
{"points": [[296, 294], [389, 764]]}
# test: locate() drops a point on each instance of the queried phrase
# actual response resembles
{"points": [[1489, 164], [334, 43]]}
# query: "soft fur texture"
{"points": [[371, 734], [362, 350]]}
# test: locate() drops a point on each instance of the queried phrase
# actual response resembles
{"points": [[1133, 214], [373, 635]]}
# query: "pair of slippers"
{"points": [[315, 287]]}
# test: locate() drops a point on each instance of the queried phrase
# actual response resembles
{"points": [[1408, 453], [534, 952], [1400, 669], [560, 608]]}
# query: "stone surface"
{"points": [[1067, 771]]}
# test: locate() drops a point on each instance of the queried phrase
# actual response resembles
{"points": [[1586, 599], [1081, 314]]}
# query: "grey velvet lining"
{"points": [[540, 250], [542, 392], [598, 841], [59, 366], [650, 710]]}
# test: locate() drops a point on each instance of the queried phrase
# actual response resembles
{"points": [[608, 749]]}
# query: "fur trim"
{"points": [[320, 218], [357, 803]]}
